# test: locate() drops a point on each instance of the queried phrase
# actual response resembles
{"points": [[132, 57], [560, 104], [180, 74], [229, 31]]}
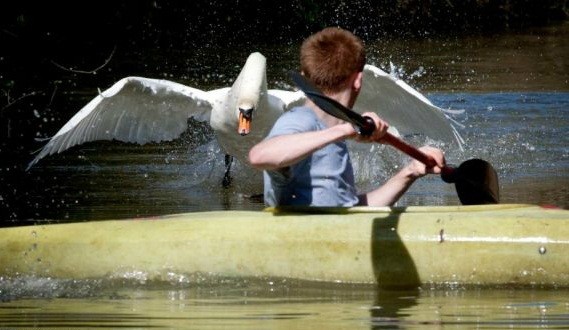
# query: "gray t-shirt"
{"points": [[325, 178]]}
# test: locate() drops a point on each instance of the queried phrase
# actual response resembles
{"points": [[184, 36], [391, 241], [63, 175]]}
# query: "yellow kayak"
{"points": [[490, 245]]}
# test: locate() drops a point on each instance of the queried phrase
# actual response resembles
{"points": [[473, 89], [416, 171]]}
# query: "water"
{"points": [[257, 303], [522, 134], [515, 92]]}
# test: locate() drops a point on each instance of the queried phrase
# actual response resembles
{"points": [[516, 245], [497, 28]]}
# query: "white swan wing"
{"points": [[403, 107], [135, 109], [286, 100]]}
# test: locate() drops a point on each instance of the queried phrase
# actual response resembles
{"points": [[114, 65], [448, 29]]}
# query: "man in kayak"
{"points": [[305, 157]]}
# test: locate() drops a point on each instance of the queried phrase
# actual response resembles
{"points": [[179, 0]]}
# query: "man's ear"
{"points": [[357, 84]]}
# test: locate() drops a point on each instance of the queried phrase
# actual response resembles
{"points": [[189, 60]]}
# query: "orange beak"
{"points": [[244, 124]]}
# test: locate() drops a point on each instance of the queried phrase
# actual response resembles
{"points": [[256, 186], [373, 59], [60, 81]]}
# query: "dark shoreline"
{"points": [[167, 22]]}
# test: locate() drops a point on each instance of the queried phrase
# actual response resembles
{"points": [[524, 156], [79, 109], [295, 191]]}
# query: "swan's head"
{"points": [[247, 99], [245, 118], [249, 89]]}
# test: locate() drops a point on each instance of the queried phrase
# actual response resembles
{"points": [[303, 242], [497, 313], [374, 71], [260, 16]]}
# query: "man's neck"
{"points": [[323, 116], [344, 97]]}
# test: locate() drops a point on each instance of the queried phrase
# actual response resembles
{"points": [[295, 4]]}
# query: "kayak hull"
{"points": [[520, 245]]}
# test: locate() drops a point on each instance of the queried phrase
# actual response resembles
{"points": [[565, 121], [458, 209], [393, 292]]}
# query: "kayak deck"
{"points": [[393, 247]]}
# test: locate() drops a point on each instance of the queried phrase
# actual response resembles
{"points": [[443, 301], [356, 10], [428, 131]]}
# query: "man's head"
{"points": [[330, 57]]}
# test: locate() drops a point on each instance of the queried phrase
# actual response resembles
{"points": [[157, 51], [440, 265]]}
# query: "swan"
{"points": [[142, 110]]}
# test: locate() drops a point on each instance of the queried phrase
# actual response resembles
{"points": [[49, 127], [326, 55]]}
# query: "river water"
{"points": [[514, 88]]}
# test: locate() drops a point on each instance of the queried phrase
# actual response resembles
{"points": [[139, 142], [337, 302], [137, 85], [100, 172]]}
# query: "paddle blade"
{"points": [[476, 183]]}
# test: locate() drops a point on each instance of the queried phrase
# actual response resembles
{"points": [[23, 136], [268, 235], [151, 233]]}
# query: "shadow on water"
{"points": [[396, 274], [391, 308]]}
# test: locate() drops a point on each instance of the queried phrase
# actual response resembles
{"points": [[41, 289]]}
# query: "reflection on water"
{"points": [[257, 303]]}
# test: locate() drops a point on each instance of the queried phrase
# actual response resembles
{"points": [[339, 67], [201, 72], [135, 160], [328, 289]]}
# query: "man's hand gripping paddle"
{"points": [[475, 180]]}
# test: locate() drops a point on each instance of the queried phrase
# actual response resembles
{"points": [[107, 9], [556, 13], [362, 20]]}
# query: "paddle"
{"points": [[475, 180]]}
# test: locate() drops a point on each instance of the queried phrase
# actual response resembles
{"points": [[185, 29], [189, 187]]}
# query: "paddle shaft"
{"points": [[368, 127], [409, 149]]}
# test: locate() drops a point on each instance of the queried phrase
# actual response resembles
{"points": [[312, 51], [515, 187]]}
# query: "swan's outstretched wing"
{"points": [[134, 109], [403, 107], [286, 100]]}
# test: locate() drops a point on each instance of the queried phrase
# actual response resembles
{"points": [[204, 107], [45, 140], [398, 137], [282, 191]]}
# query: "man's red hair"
{"points": [[329, 57]]}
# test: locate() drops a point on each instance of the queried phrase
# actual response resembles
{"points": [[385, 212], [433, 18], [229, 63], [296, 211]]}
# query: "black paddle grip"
{"points": [[367, 127]]}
